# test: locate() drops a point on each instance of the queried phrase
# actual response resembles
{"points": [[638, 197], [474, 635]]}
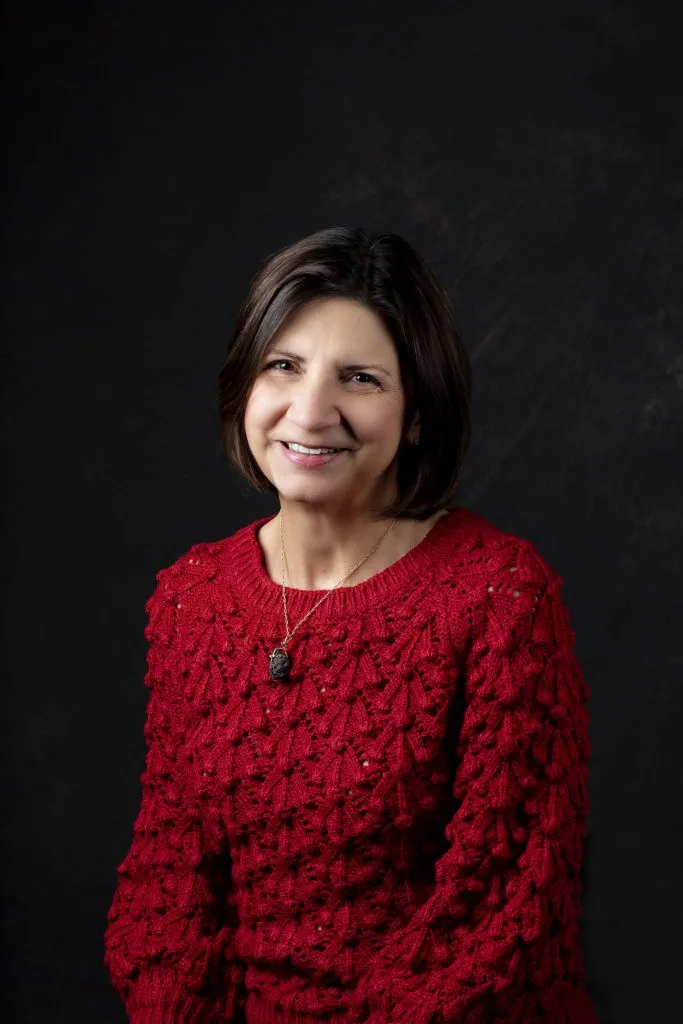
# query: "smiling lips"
{"points": [[312, 449], [311, 461]]}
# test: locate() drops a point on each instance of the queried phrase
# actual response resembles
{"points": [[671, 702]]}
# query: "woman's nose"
{"points": [[313, 404]]}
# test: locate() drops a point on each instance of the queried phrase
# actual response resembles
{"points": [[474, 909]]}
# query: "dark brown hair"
{"points": [[387, 275]]}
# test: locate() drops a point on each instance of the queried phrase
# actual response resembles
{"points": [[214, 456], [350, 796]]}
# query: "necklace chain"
{"points": [[284, 593]]}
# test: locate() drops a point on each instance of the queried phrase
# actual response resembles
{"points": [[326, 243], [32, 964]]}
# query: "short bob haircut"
{"points": [[384, 273]]}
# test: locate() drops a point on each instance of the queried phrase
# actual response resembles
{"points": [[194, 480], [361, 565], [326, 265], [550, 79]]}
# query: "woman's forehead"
{"points": [[335, 322]]}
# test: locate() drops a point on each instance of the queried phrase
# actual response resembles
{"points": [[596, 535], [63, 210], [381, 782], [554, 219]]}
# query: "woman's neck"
{"points": [[320, 550]]}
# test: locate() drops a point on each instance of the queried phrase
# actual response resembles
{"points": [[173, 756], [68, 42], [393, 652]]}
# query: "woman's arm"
{"points": [[169, 939], [499, 939]]}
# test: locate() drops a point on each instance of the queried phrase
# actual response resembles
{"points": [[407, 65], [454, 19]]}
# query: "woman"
{"points": [[365, 789]]}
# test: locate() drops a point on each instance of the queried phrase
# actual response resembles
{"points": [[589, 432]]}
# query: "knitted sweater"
{"points": [[393, 834]]}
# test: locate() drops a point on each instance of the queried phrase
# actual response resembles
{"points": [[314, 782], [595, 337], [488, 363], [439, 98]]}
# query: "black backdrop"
{"points": [[157, 153]]}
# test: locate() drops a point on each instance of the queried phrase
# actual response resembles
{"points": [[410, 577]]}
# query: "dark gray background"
{"points": [[157, 154]]}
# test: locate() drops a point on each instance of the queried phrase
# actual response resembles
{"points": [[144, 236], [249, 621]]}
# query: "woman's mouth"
{"points": [[310, 457]]}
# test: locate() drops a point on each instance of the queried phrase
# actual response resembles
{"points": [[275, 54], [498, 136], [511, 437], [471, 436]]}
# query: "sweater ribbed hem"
{"points": [[160, 997], [261, 1010], [242, 561]]}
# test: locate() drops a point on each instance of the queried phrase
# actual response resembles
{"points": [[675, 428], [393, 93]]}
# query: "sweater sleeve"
{"points": [[169, 938], [499, 937]]}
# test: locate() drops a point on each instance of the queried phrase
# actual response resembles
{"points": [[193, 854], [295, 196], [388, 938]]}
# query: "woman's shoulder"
{"points": [[202, 559], [184, 574], [201, 563], [503, 579], [498, 553], [194, 563]]}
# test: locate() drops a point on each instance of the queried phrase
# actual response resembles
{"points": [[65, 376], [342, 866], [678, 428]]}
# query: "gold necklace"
{"points": [[280, 660]]}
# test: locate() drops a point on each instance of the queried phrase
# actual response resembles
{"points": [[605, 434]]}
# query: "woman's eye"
{"points": [[369, 377], [280, 363]]}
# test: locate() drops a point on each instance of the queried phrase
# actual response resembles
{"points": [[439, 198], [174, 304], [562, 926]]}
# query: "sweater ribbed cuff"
{"points": [[160, 996]]}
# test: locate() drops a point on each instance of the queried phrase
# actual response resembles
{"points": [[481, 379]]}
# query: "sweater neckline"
{"points": [[245, 566]]}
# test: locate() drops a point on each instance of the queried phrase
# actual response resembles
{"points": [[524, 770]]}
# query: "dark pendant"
{"points": [[280, 664]]}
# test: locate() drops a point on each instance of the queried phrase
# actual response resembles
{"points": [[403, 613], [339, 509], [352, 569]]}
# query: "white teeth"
{"points": [[311, 451]]}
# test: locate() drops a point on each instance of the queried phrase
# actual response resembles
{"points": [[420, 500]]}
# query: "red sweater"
{"points": [[393, 834]]}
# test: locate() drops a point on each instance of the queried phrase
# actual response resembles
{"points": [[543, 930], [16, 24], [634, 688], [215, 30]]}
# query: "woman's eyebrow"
{"points": [[344, 366]]}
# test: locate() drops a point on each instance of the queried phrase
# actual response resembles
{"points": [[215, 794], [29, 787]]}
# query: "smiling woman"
{"points": [[372, 813], [355, 338], [312, 399]]}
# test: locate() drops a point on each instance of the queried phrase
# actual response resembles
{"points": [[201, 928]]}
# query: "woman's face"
{"points": [[330, 379]]}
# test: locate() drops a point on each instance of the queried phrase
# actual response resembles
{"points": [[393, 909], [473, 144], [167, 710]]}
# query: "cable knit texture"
{"points": [[393, 835]]}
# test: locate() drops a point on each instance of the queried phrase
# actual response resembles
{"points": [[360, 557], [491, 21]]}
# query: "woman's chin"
{"points": [[293, 490]]}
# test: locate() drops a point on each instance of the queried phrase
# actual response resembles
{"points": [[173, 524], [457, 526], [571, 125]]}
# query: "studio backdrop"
{"points": [[157, 155]]}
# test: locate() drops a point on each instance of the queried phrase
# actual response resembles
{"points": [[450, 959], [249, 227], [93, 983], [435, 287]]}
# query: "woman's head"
{"points": [[346, 340]]}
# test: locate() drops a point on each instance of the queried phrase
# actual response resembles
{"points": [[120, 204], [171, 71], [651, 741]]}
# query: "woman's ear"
{"points": [[413, 435]]}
